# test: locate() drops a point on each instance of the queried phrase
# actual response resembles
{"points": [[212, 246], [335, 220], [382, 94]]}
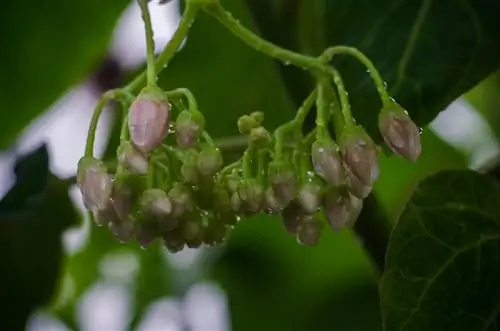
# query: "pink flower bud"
{"points": [[400, 134], [132, 158], [123, 231], [251, 194], [188, 128], [360, 154], [309, 198], [95, 183], [148, 119], [105, 216], [309, 231], [337, 207], [356, 186], [327, 162], [292, 218], [282, 181], [222, 200], [209, 162], [272, 204], [157, 206]]}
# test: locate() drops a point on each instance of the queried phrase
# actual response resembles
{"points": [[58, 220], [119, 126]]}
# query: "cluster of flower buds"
{"points": [[170, 183]]}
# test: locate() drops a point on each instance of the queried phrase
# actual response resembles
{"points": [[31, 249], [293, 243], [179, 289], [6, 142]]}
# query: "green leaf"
{"points": [[51, 45], [33, 215], [442, 266], [429, 52]]}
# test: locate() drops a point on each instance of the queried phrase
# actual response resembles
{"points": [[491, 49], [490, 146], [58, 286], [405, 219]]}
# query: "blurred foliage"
{"points": [[271, 282]]}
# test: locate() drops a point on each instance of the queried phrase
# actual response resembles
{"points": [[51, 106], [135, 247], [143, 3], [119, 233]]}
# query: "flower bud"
{"points": [[356, 207], [360, 154], [251, 194], [235, 202], [132, 158], [356, 186], [148, 119], [189, 168], [282, 181], [246, 123], [126, 192], [222, 200], [233, 181], [124, 231], [400, 134], [105, 216], [309, 198], [216, 232], [337, 206], [258, 116], [292, 217], [272, 203], [192, 227], [209, 162], [260, 137], [188, 127], [174, 240], [157, 207], [95, 183], [327, 162], [145, 235], [309, 231], [181, 197]]}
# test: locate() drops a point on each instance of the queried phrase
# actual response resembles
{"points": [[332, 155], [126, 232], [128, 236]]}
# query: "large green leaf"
{"points": [[442, 265], [429, 52], [47, 47], [33, 215]]}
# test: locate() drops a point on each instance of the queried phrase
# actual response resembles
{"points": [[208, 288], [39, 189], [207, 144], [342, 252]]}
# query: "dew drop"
{"points": [[310, 174], [171, 129], [420, 131], [238, 218], [368, 70], [385, 84], [287, 63]]}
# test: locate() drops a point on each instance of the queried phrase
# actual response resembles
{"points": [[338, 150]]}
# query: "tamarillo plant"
{"points": [[170, 181]]}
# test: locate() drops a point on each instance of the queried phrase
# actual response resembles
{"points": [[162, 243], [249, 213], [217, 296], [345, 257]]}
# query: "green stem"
{"points": [[304, 109], [184, 92], [261, 160], [335, 110], [208, 139], [374, 73], [279, 137], [105, 98], [344, 98], [227, 169], [247, 162], [261, 45], [124, 132], [232, 144], [168, 53], [150, 43], [322, 115]]}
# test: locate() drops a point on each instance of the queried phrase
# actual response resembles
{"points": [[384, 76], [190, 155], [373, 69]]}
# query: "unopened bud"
{"points": [[327, 162], [189, 168], [188, 128], [251, 194], [309, 198], [356, 186], [235, 202], [246, 123], [145, 235], [216, 232], [260, 137], [95, 183], [132, 158], [123, 231], [337, 207], [233, 181], [181, 197], [192, 228], [400, 134], [126, 193], [156, 205], [209, 161], [272, 203], [222, 200], [174, 240], [356, 207], [309, 231], [258, 116], [282, 181], [360, 154], [105, 216], [148, 119], [292, 217]]}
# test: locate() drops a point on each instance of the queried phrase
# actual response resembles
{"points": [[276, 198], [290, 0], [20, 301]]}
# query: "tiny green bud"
{"points": [[260, 137], [222, 200], [327, 162], [360, 154], [188, 128], [292, 217], [233, 181], [246, 123], [309, 231], [95, 183], [182, 199], [258, 116], [236, 202], [126, 193], [189, 168], [251, 194], [282, 181], [400, 134], [192, 227], [209, 162], [124, 231], [157, 206], [132, 158], [148, 119], [309, 198]]}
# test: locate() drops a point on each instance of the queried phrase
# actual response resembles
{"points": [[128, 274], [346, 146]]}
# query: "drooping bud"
{"points": [[95, 183], [222, 200], [174, 240], [181, 197], [126, 193], [235, 202], [356, 186], [337, 207], [105, 216], [282, 181], [157, 207], [189, 168], [400, 134], [148, 119], [192, 228], [188, 128], [251, 194], [216, 232], [272, 203], [246, 123], [124, 231], [233, 181], [292, 217], [132, 158], [360, 154], [209, 161], [309, 231], [260, 137], [309, 198], [145, 235], [356, 207], [327, 162]]}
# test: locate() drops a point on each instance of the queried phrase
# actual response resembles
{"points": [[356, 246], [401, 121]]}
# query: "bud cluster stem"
{"points": [[150, 44]]}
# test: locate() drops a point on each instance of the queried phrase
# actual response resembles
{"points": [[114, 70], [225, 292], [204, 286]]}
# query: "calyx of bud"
{"points": [[327, 162], [309, 198], [132, 158], [188, 128], [209, 161], [95, 184], [360, 154], [148, 119], [400, 133]]}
